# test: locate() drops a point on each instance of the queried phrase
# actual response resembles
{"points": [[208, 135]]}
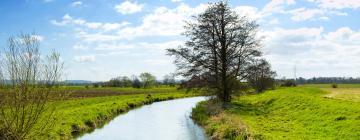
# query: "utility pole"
{"points": [[295, 74]]}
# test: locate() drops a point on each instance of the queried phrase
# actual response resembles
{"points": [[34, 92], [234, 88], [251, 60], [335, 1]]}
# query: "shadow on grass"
{"points": [[251, 109]]}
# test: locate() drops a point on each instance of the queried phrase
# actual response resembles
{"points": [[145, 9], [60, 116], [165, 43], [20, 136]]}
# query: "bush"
{"points": [[96, 85], [334, 85], [288, 83]]}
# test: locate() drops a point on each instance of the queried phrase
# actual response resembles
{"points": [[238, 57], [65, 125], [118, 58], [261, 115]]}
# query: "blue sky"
{"points": [[101, 39]]}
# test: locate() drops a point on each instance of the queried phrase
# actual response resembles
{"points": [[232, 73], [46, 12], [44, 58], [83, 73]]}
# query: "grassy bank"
{"points": [[78, 115], [286, 113]]}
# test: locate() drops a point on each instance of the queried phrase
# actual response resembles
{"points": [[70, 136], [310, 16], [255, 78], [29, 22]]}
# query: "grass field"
{"points": [[286, 113], [350, 92], [78, 115], [83, 92]]}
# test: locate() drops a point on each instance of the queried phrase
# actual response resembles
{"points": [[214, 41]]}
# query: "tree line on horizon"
{"points": [[328, 80], [144, 80]]}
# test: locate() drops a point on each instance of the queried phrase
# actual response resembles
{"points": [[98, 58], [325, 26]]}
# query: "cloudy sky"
{"points": [[101, 39]]}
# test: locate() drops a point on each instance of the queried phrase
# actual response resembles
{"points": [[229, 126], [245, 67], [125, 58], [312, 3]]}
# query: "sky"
{"points": [[102, 39]]}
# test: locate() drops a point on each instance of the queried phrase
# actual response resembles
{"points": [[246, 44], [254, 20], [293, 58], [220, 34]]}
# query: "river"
{"points": [[166, 120]]}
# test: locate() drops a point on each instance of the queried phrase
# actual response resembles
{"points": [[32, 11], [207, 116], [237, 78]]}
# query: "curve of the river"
{"points": [[166, 120]]}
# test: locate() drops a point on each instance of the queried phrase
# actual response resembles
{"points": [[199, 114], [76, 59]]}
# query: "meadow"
{"points": [[304, 112], [90, 108], [350, 92], [85, 92]]}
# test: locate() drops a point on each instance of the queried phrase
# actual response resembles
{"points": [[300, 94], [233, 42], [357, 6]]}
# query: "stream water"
{"points": [[166, 120]]}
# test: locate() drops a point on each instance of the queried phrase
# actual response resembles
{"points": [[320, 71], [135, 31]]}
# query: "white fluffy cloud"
{"points": [[249, 11], [303, 13], [113, 46], [68, 20], [176, 0], [76, 4], [85, 58], [337, 4], [38, 37], [344, 36], [114, 26], [277, 6], [313, 50], [163, 22], [65, 20], [128, 7], [80, 47], [324, 9]]}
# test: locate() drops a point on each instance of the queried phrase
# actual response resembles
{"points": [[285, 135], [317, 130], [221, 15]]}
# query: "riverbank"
{"points": [[79, 115], [285, 113]]}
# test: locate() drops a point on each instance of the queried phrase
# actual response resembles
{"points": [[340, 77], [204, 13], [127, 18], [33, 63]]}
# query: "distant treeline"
{"points": [[144, 80], [328, 80], [134, 81]]}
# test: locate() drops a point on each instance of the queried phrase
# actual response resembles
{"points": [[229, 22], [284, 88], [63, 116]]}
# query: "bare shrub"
{"points": [[26, 102]]}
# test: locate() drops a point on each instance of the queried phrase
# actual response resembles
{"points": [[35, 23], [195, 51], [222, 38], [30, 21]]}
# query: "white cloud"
{"points": [[277, 6], [162, 45], [37, 37], [113, 46], [344, 36], [249, 11], [303, 13], [313, 51], [85, 58], [128, 7], [97, 37], [290, 41], [79, 21], [321, 12], [337, 4], [68, 20], [114, 26], [176, 0], [274, 21], [158, 62], [76, 3], [65, 20], [80, 47], [163, 22], [93, 25]]}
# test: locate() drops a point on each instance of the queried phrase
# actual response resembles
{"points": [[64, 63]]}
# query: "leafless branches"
{"points": [[28, 81]]}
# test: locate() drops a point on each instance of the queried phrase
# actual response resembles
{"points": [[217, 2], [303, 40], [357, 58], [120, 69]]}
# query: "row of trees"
{"points": [[328, 80], [144, 80], [222, 51]]}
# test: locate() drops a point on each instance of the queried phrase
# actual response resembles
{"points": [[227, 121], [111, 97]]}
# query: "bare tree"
{"points": [[169, 79], [261, 77], [147, 79], [28, 80], [220, 47]]}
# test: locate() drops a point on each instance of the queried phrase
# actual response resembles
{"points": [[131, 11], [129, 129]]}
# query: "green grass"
{"points": [[349, 92], [329, 85], [285, 113], [83, 92], [76, 116]]}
